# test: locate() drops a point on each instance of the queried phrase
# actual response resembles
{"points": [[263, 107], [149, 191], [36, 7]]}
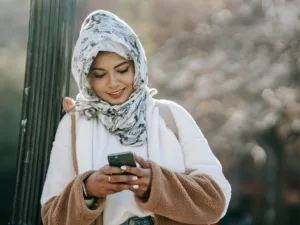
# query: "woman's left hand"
{"points": [[141, 186]]}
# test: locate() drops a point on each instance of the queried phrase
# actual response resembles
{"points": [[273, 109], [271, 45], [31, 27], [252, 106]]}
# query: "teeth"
{"points": [[114, 93]]}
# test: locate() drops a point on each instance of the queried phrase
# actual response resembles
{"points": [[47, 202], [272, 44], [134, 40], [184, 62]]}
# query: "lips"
{"points": [[117, 94]]}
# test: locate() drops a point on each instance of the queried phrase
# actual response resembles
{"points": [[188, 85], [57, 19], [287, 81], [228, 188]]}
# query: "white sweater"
{"points": [[94, 143]]}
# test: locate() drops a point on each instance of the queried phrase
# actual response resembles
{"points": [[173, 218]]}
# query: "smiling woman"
{"points": [[111, 77], [115, 112]]}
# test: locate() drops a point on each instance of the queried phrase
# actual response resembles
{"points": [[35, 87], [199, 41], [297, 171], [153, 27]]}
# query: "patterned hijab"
{"points": [[104, 31]]}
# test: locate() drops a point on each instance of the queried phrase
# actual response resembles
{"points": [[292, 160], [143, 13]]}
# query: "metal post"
{"points": [[49, 49]]}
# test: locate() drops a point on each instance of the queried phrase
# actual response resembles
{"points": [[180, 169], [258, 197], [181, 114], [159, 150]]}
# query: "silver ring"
{"points": [[109, 179]]}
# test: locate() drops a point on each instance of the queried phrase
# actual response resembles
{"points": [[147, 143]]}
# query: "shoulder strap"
{"points": [[69, 106], [168, 117], [74, 155]]}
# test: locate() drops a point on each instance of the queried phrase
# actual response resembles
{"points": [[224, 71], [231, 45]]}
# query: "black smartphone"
{"points": [[121, 159]]}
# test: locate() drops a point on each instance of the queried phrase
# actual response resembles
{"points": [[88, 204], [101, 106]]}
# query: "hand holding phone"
{"points": [[140, 186]]}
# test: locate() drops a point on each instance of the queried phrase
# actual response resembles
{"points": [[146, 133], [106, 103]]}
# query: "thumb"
{"points": [[140, 160]]}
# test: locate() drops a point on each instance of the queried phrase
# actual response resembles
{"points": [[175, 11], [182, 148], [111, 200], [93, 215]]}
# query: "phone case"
{"points": [[121, 159]]}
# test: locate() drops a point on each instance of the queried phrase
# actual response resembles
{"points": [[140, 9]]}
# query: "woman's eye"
{"points": [[124, 71], [99, 76]]}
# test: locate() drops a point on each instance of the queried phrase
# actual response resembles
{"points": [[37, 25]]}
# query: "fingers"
{"points": [[140, 172], [134, 188], [109, 180], [118, 187], [140, 160], [108, 170], [140, 190], [123, 178]]}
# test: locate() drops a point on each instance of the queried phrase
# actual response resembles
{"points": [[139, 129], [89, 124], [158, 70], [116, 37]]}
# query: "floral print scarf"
{"points": [[104, 31]]}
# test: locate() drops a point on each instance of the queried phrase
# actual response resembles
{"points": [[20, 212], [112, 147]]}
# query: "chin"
{"points": [[117, 101]]}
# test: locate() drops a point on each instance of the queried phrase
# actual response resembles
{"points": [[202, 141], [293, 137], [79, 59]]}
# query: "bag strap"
{"points": [[69, 106], [74, 155], [168, 117]]}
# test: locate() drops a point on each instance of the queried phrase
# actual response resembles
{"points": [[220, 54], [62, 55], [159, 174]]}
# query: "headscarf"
{"points": [[104, 31]]}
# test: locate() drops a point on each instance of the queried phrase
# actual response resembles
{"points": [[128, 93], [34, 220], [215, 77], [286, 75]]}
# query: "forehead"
{"points": [[108, 59]]}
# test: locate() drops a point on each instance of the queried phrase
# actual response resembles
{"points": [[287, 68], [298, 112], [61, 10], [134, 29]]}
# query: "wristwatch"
{"points": [[85, 194]]}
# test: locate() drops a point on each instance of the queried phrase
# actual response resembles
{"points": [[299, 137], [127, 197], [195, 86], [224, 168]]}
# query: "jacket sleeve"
{"points": [[183, 198], [62, 198], [202, 194], [70, 208]]}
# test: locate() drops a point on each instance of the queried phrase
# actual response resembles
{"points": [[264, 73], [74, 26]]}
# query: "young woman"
{"points": [[178, 180]]}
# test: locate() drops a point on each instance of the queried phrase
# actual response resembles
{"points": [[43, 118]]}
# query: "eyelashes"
{"points": [[99, 76], [124, 71], [120, 71]]}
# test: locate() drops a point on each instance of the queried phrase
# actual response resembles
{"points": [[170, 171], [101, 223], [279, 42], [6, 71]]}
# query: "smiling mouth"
{"points": [[117, 92]]}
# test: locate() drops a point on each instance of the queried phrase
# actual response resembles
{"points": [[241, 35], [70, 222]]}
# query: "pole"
{"points": [[47, 74]]}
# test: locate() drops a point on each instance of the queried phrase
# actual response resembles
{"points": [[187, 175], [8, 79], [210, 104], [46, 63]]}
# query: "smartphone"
{"points": [[121, 159]]}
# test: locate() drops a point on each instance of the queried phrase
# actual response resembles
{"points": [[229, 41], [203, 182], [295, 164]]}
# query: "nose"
{"points": [[114, 81]]}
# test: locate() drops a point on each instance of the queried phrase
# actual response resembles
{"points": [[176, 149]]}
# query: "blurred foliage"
{"points": [[14, 23], [233, 64]]}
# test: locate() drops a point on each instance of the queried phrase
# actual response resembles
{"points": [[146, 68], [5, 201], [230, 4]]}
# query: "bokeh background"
{"points": [[233, 64]]}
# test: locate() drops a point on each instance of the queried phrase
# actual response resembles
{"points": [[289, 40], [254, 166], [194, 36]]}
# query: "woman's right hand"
{"points": [[106, 181]]}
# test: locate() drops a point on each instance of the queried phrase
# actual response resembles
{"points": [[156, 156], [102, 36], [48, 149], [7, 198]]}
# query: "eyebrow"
{"points": [[94, 68]]}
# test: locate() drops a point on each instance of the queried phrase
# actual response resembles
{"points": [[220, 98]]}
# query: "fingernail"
{"points": [[134, 178], [123, 167], [135, 187]]}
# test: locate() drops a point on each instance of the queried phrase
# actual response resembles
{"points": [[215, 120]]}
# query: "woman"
{"points": [[179, 180]]}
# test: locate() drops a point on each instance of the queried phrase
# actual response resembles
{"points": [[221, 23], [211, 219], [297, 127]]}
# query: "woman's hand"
{"points": [[106, 181], [141, 186]]}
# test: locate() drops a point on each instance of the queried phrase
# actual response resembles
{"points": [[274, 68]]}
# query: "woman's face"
{"points": [[111, 77]]}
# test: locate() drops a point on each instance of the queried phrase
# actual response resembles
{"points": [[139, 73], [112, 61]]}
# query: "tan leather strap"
{"points": [[168, 117], [73, 131], [69, 107]]}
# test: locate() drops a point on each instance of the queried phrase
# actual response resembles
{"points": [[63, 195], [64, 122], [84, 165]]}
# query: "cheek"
{"points": [[131, 79], [97, 84]]}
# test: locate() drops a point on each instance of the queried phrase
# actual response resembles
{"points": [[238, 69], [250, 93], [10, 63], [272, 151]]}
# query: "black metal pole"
{"points": [[49, 50]]}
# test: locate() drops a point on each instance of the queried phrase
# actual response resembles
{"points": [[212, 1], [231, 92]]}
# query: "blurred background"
{"points": [[233, 64]]}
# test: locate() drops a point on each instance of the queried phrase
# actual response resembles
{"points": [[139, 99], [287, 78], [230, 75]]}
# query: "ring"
{"points": [[109, 179]]}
